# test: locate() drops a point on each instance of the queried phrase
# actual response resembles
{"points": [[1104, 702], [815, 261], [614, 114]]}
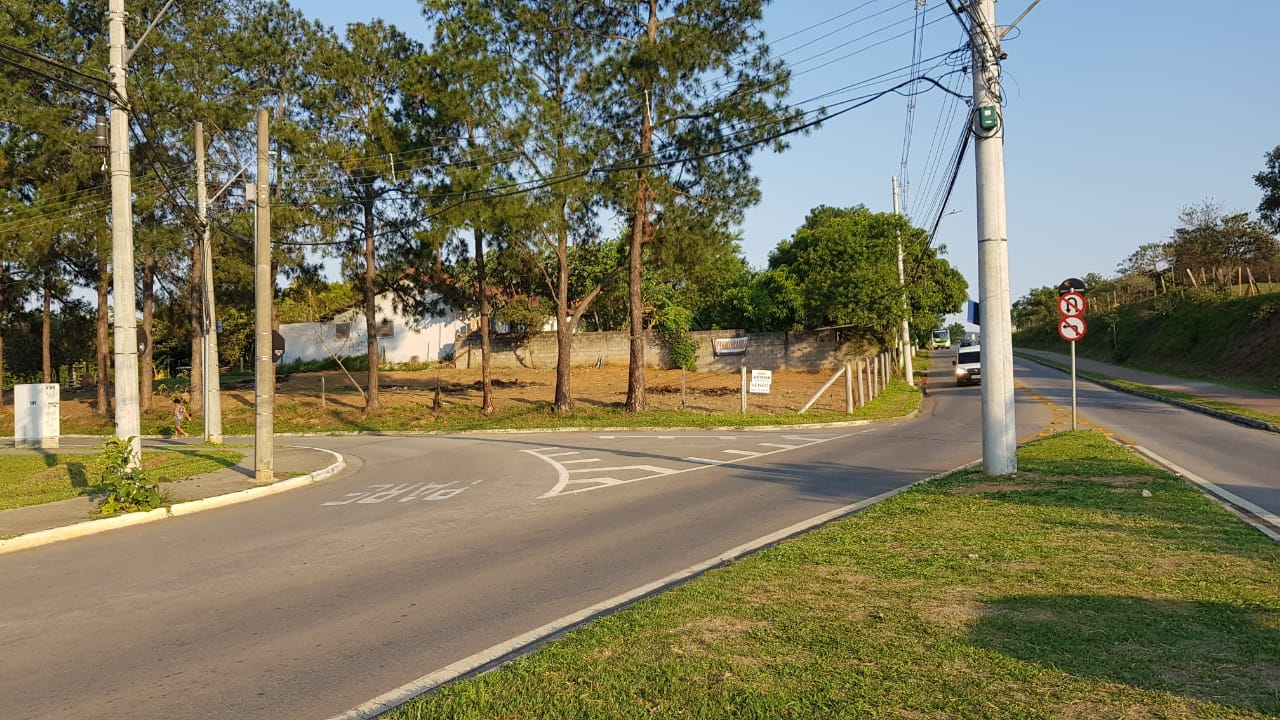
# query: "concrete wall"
{"points": [[803, 351]]}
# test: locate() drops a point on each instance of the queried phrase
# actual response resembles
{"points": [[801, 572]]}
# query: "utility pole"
{"points": [[209, 347], [908, 372], [999, 435], [128, 415], [263, 291]]}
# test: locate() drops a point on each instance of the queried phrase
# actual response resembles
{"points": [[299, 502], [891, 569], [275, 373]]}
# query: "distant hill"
{"points": [[1200, 336]]}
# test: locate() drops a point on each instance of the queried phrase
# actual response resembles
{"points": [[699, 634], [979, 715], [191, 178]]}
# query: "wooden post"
{"points": [[744, 389], [862, 393], [1191, 275], [848, 389], [321, 392], [681, 388], [1253, 286]]}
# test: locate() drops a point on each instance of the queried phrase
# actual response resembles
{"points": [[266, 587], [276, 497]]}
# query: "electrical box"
{"points": [[36, 415], [988, 117]]}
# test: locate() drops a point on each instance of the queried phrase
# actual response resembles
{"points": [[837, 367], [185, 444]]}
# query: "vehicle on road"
{"points": [[968, 364], [941, 338]]}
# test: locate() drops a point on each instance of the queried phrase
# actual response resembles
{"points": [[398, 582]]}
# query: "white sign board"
{"points": [[760, 381], [36, 418]]}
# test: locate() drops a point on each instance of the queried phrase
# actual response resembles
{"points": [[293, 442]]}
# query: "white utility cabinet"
{"points": [[36, 415]]}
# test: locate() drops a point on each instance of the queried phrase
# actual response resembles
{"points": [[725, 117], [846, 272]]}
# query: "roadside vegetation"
{"points": [[1233, 341], [1163, 393], [1089, 585], [34, 479]]}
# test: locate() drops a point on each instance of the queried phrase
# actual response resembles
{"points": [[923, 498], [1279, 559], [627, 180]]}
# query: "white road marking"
{"points": [[584, 460], [503, 651], [567, 484], [655, 469], [1270, 522]]}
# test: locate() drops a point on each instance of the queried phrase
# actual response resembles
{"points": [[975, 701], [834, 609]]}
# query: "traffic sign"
{"points": [[1072, 328], [1071, 304]]}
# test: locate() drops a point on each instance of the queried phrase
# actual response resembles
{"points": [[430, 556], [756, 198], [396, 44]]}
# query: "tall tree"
{"points": [[1207, 237], [530, 59], [1269, 182], [691, 91], [365, 84]]}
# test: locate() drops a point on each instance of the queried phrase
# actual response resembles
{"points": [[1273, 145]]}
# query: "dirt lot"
{"points": [[316, 401], [707, 392]]}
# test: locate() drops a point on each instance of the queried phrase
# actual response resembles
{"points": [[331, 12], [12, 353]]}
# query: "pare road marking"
{"points": [[404, 492]]}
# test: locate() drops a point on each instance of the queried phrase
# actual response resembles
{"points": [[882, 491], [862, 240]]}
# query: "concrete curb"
{"points": [[1214, 412], [90, 527]]}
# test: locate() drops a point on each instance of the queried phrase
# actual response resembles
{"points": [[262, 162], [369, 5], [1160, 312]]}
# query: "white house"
{"points": [[401, 339]]}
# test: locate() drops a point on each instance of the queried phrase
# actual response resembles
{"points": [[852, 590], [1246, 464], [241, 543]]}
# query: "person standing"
{"points": [[179, 416]]}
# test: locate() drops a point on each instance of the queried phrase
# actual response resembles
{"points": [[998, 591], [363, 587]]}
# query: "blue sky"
{"points": [[1118, 114]]}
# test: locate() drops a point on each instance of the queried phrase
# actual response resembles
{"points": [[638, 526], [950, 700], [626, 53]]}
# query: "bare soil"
{"points": [[405, 393]]}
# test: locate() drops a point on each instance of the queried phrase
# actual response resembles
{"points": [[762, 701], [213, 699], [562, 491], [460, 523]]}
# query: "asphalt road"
{"points": [[1244, 461], [431, 549]]}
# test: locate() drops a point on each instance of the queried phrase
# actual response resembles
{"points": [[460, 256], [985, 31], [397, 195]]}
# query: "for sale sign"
{"points": [[760, 381]]}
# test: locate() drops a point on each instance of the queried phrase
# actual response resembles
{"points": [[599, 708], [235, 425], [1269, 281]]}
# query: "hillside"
{"points": [[1233, 341]]}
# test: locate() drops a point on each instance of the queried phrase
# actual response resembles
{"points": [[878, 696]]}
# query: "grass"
{"points": [[1198, 335], [1063, 591], [49, 477], [1164, 393]]}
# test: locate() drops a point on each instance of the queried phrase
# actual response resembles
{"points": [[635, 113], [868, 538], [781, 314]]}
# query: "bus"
{"points": [[941, 339]]}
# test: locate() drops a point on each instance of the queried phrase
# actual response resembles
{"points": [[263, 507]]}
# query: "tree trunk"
{"points": [[102, 346], [640, 232], [482, 299], [371, 402], [146, 361], [46, 334], [564, 331]]}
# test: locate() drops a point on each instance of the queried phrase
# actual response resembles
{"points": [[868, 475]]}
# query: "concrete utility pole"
{"points": [[999, 436], [263, 291], [128, 415], [209, 347], [908, 372]]}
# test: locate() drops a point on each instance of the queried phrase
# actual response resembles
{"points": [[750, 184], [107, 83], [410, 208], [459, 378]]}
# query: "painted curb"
{"points": [[90, 527]]}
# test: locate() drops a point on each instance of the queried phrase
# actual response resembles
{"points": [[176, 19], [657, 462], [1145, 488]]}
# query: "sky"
{"points": [[1118, 114]]}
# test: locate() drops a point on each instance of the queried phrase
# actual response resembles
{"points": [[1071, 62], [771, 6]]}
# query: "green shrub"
{"points": [[672, 325], [128, 489]]}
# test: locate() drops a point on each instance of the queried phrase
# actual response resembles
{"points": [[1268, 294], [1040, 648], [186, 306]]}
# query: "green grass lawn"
{"points": [[1090, 585], [50, 476]]}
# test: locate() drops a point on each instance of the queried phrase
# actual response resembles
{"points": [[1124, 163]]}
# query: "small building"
{"points": [[401, 338]]}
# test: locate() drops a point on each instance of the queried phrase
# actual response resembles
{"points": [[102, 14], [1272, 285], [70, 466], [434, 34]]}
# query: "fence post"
{"points": [[848, 388], [862, 394], [744, 389]]}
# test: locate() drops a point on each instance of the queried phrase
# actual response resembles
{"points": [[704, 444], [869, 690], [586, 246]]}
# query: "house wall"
{"points": [[426, 339], [803, 351]]}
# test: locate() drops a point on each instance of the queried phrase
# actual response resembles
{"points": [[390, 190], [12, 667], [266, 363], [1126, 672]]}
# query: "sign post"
{"points": [[1072, 327]]}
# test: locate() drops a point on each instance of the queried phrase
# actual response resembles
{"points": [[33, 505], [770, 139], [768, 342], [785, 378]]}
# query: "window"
{"points": [[341, 331], [386, 328]]}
